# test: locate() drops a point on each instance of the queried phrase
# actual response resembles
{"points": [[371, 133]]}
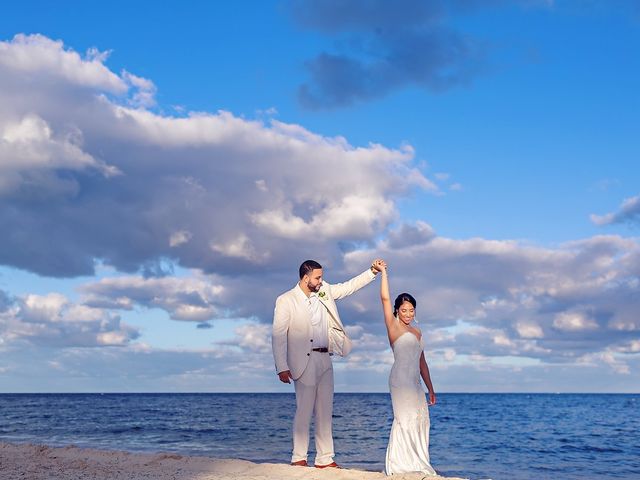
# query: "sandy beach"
{"points": [[40, 462]]}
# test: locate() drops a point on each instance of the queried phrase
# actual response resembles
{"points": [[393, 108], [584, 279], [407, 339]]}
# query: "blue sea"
{"points": [[477, 436]]}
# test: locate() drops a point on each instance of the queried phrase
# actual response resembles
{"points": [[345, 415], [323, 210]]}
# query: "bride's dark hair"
{"points": [[400, 299]]}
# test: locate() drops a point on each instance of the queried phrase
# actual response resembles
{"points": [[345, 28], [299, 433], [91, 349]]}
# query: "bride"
{"points": [[408, 449]]}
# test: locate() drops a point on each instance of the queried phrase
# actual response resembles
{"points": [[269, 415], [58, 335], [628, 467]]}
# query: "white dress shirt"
{"points": [[319, 322]]}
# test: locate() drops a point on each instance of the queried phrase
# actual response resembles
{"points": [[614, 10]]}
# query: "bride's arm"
{"points": [[424, 373], [387, 309]]}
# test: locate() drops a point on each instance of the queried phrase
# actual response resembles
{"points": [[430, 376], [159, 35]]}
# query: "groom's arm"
{"points": [[281, 320], [340, 290]]}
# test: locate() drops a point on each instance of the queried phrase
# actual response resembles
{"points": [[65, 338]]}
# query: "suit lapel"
{"points": [[334, 322], [301, 304]]}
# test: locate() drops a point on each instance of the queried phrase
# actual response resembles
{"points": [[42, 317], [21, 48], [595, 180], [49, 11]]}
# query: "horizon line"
{"points": [[293, 393]]}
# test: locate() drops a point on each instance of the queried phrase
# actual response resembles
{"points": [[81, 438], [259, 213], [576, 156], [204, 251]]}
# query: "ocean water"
{"points": [[477, 436]]}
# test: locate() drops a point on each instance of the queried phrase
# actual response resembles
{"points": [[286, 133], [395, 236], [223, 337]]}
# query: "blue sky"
{"points": [[165, 168]]}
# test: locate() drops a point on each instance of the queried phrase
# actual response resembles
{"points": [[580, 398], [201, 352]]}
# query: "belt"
{"points": [[321, 350]]}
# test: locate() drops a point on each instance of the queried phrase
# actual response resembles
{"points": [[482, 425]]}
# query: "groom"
{"points": [[306, 331]]}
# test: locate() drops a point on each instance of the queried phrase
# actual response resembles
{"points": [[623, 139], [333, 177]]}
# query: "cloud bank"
{"points": [[54, 321], [107, 179], [92, 174]]}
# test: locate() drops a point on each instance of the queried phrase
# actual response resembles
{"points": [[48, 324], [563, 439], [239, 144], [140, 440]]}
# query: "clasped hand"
{"points": [[379, 265]]}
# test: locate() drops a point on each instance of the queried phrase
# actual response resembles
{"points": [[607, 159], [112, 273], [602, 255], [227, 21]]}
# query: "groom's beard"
{"points": [[313, 288]]}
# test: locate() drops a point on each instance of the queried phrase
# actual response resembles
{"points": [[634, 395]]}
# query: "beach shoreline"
{"points": [[41, 462]]}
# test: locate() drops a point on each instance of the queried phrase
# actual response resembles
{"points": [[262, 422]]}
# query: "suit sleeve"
{"points": [[340, 290], [281, 321]]}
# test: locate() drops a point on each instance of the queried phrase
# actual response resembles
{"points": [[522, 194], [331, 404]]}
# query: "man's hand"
{"points": [[285, 377], [378, 265]]}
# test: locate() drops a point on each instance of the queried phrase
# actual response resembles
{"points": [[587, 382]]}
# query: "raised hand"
{"points": [[379, 265]]}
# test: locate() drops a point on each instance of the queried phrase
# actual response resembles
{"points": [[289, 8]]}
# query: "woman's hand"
{"points": [[379, 265], [432, 398]]}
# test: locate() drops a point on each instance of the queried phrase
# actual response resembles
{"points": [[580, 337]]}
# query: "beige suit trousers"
{"points": [[314, 395]]}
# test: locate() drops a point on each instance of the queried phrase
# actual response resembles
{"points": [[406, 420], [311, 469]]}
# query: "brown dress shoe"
{"points": [[300, 463], [331, 465]]}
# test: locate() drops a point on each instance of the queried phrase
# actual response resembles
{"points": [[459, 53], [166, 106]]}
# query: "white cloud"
{"points": [[193, 299], [44, 59], [31, 154], [449, 354], [506, 298], [409, 235], [240, 247], [502, 340], [43, 307], [231, 193], [631, 347], [144, 95], [529, 330], [52, 320], [574, 321], [180, 237], [607, 358], [254, 337], [112, 338], [353, 216]]}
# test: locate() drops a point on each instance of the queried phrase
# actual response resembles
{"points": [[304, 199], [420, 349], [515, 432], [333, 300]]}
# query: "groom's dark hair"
{"points": [[308, 266]]}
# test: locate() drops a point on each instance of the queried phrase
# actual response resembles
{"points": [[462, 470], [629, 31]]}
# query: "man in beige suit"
{"points": [[306, 331]]}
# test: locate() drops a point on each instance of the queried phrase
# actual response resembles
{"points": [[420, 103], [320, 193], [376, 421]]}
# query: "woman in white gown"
{"points": [[408, 449]]}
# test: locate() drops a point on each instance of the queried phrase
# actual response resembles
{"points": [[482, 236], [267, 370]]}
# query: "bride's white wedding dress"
{"points": [[408, 449]]}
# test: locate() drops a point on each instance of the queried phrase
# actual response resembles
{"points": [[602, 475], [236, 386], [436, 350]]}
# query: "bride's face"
{"points": [[406, 313]]}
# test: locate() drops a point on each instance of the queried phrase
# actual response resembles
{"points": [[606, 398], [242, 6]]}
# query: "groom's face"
{"points": [[314, 280]]}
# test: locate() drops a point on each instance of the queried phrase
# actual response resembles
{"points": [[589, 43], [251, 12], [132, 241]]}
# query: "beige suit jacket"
{"points": [[292, 339]]}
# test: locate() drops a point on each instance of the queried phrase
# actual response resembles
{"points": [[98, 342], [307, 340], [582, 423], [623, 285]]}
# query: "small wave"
{"points": [[135, 428], [590, 449]]}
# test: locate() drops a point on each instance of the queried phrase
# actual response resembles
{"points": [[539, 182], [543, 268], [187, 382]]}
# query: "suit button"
{"points": [[308, 354], [311, 340]]}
